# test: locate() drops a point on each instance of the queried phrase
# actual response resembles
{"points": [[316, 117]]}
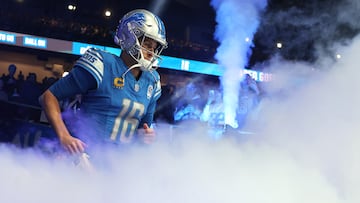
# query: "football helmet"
{"points": [[131, 32]]}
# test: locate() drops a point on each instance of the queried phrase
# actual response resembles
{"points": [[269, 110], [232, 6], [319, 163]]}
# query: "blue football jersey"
{"points": [[120, 103]]}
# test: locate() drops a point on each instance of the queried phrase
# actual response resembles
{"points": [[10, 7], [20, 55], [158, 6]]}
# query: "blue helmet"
{"points": [[132, 30]]}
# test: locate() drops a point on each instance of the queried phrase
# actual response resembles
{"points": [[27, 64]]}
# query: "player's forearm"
{"points": [[52, 111]]}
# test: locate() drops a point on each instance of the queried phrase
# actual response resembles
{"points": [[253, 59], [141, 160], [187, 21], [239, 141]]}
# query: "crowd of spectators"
{"points": [[99, 33], [20, 112], [14, 87]]}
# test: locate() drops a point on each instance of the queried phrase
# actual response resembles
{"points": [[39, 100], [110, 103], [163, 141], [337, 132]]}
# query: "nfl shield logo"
{"points": [[149, 91], [137, 87]]}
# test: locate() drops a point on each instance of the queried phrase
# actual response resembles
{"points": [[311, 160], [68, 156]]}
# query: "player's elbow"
{"points": [[43, 96]]}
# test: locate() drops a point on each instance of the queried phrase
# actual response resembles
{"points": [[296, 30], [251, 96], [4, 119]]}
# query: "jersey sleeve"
{"points": [[92, 61], [78, 81], [149, 116], [157, 85], [157, 92]]}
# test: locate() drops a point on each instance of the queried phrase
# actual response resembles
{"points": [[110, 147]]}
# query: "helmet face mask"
{"points": [[134, 29], [146, 48]]}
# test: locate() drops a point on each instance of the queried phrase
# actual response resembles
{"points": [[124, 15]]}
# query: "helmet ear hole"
{"points": [[127, 38]]}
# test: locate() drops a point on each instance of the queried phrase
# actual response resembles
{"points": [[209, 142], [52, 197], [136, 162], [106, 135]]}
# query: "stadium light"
{"points": [[71, 7], [107, 13]]}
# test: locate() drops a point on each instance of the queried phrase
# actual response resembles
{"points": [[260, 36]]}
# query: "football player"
{"points": [[119, 94], [213, 114]]}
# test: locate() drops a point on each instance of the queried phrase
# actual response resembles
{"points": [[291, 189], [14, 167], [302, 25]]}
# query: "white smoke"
{"points": [[305, 150], [315, 120], [237, 21]]}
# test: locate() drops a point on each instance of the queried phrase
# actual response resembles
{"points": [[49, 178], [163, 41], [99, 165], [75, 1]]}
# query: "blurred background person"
{"points": [[3, 94], [10, 82], [248, 99], [213, 114]]}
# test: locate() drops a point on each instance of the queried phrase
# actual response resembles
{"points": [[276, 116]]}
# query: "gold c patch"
{"points": [[119, 82]]}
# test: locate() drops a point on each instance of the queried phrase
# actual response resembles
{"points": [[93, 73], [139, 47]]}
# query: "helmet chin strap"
{"points": [[144, 64], [148, 65], [137, 65]]}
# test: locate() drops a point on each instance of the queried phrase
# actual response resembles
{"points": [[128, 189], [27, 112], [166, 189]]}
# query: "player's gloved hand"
{"points": [[72, 144], [146, 134]]}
